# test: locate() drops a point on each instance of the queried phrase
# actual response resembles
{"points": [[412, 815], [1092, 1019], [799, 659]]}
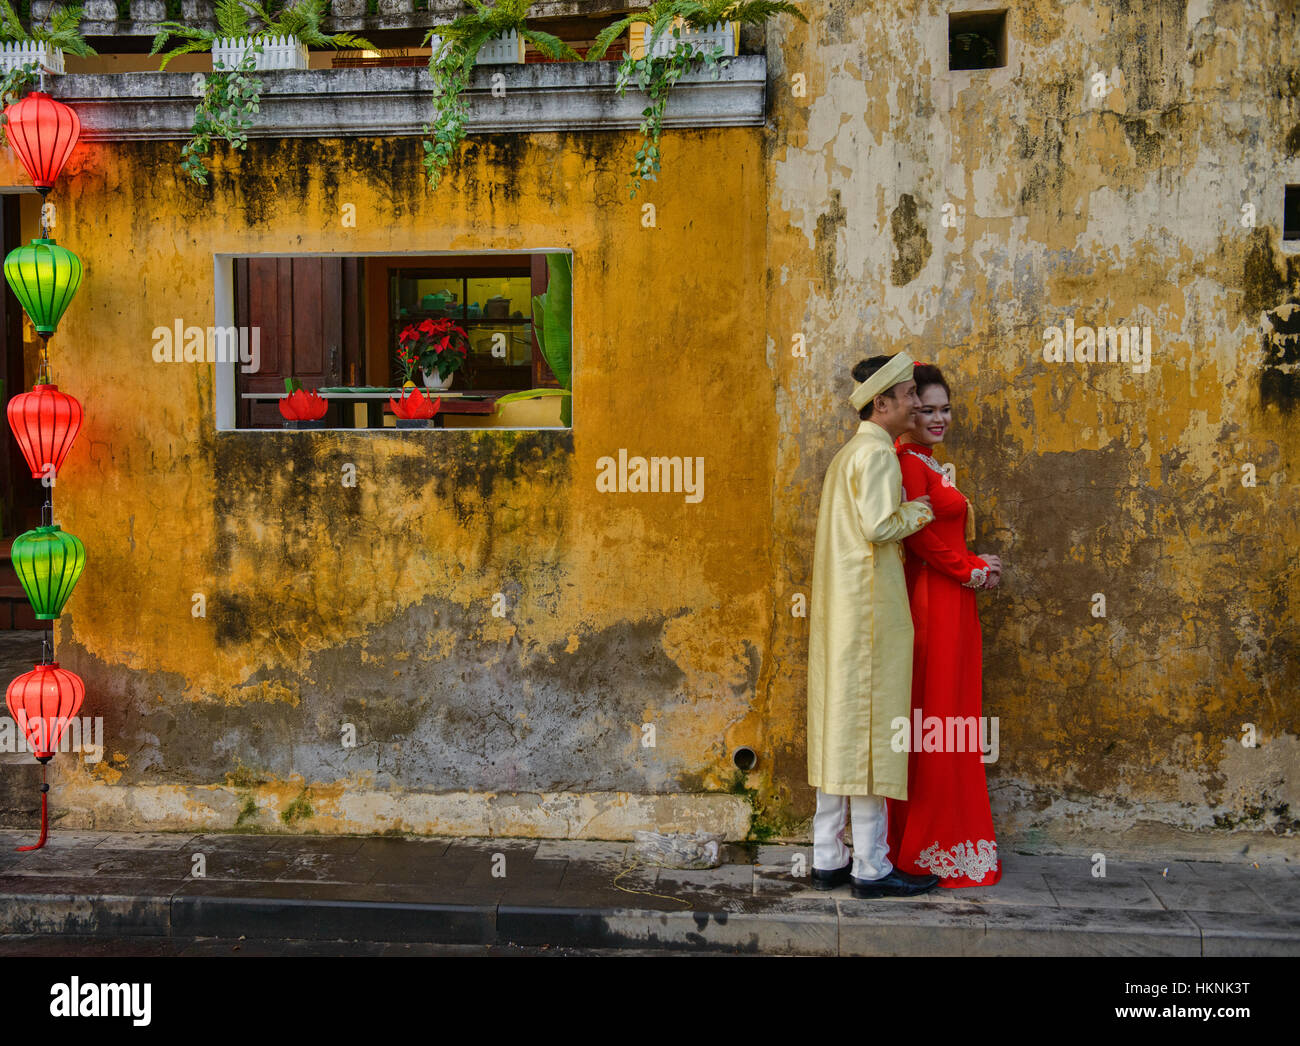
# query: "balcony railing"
{"points": [[379, 102], [101, 16]]}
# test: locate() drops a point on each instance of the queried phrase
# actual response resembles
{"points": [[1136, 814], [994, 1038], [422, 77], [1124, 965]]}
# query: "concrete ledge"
{"points": [[565, 96], [1239, 933], [87, 803], [53, 904]]}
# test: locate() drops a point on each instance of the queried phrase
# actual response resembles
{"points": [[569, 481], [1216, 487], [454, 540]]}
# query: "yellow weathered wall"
{"points": [[1085, 478], [373, 606]]}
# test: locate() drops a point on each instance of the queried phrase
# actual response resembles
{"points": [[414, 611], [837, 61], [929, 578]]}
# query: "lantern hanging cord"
{"points": [[47, 512], [43, 378], [47, 647]]}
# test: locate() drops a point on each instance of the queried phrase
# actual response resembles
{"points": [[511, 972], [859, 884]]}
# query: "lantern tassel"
{"points": [[45, 823]]}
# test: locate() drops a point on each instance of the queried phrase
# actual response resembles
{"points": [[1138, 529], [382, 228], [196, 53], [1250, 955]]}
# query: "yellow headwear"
{"points": [[899, 368]]}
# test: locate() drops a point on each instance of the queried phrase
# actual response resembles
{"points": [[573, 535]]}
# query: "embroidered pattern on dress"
{"points": [[978, 575], [929, 461], [974, 862]]}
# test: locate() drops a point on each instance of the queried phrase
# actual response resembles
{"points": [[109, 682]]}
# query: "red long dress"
{"points": [[945, 827]]}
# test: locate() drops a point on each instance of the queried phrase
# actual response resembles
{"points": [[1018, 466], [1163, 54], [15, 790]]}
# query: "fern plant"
{"points": [[655, 76], [452, 62], [62, 31], [232, 96]]}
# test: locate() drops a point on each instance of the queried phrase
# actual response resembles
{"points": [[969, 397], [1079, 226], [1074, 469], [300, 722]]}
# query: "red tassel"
{"points": [[45, 824]]}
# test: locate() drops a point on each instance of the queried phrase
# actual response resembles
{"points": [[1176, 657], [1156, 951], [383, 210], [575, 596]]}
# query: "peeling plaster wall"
{"points": [[1086, 478], [895, 205]]}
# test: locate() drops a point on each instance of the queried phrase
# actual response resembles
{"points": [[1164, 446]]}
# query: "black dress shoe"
{"points": [[895, 884], [829, 878]]}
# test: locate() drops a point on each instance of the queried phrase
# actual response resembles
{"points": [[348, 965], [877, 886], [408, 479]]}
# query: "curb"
{"points": [[803, 926]]}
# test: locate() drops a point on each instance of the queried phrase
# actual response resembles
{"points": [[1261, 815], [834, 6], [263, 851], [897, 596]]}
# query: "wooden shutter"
{"points": [[309, 314]]}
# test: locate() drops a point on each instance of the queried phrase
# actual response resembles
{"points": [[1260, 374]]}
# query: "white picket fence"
{"points": [[720, 33], [278, 52], [15, 54], [506, 49]]}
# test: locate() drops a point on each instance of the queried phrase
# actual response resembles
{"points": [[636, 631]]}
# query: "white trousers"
{"points": [[870, 826]]}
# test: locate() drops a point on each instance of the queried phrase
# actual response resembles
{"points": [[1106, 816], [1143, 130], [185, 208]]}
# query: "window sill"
{"points": [[385, 102]]}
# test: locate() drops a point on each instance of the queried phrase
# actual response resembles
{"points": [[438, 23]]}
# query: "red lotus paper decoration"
{"points": [[45, 421], [42, 702], [43, 132], [415, 405], [301, 405]]}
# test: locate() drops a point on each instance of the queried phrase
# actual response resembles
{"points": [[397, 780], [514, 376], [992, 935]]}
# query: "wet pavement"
{"points": [[196, 894]]}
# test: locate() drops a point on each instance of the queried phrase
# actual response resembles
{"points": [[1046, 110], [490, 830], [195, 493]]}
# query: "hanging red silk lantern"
{"points": [[43, 132], [45, 421], [42, 703]]}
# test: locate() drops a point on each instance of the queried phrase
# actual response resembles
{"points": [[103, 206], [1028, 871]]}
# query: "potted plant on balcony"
{"points": [[696, 41], [456, 49], [23, 54], [247, 38]]}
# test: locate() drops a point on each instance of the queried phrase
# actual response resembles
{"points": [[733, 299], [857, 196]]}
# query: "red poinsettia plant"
{"points": [[433, 345], [414, 404]]}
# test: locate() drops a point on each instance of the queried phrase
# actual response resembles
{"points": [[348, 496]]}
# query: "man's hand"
{"points": [[924, 499]]}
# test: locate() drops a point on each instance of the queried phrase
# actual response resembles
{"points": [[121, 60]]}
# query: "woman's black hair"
{"points": [[928, 374]]}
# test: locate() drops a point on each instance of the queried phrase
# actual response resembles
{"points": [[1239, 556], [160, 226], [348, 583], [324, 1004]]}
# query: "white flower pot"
{"points": [[432, 381], [278, 52], [506, 49], [725, 34], [14, 55]]}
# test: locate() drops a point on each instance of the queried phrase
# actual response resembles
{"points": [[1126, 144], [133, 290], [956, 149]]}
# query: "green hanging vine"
{"points": [[232, 96], [225, 111], [655, 76], [452, 62]]}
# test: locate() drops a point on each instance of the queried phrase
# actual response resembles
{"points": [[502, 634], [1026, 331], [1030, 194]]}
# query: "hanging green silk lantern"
{"points": [[48, 563], [44, 277]]}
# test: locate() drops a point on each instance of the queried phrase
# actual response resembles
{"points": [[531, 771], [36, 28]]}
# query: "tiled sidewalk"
{"points": [[595, 895]]}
